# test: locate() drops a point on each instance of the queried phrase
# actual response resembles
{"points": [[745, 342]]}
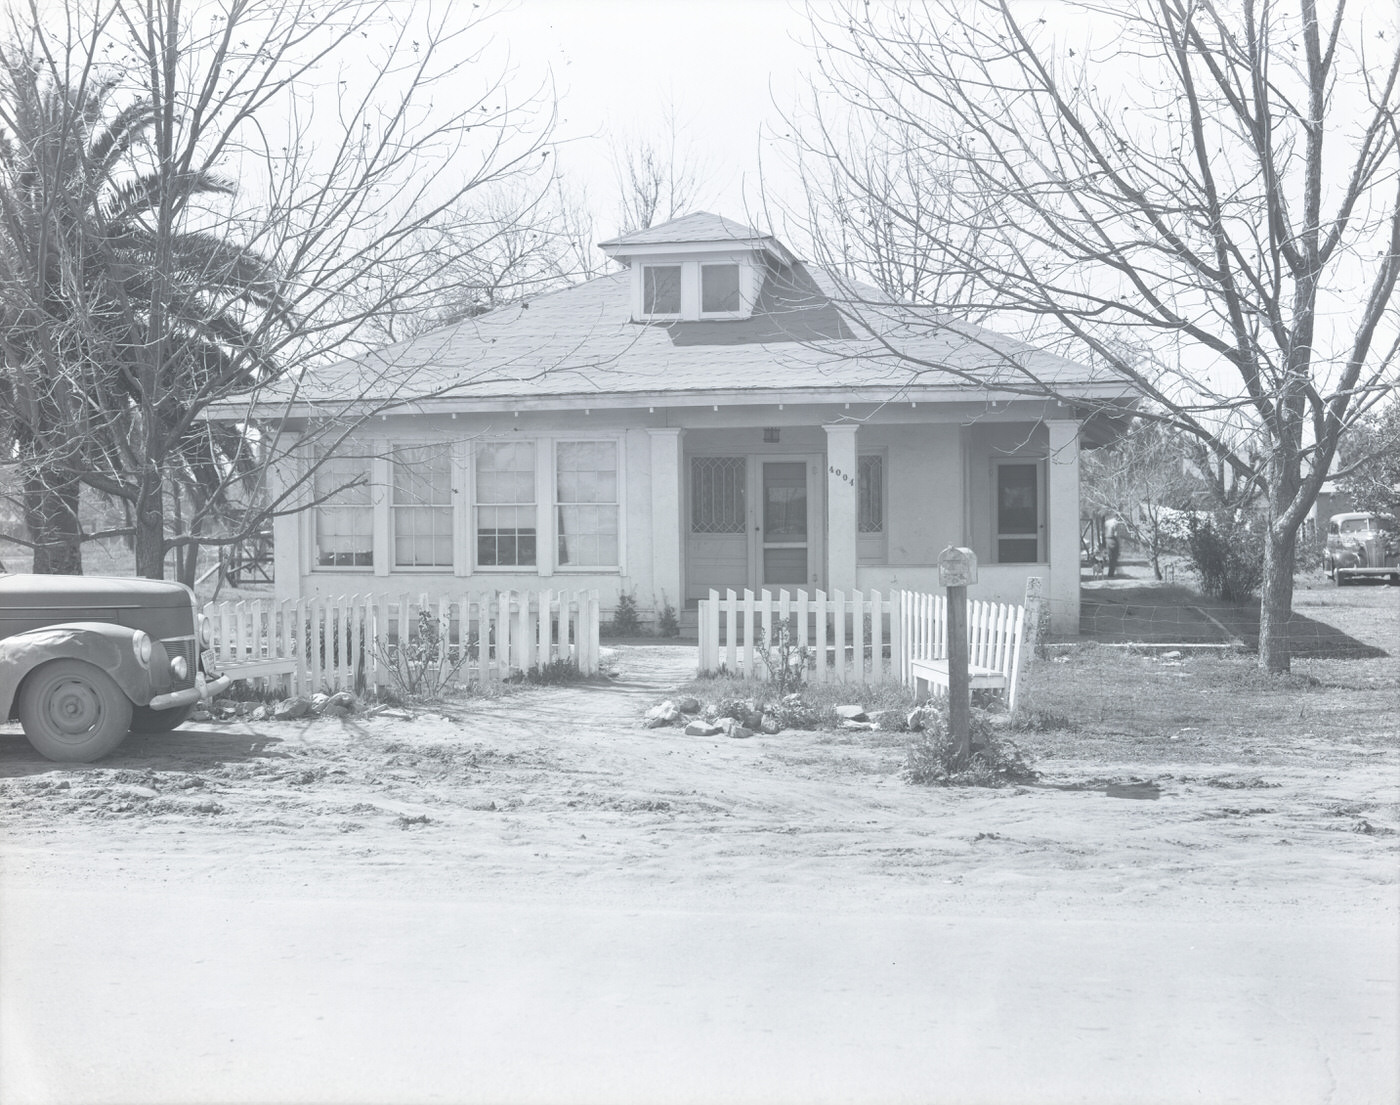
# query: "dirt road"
{"points": [[536, 900]]}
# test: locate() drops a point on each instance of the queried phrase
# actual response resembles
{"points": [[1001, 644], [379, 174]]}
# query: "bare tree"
{"points": [[501, 246], [1148, 476], [656, 181], [307, 147], [1200, 200]]}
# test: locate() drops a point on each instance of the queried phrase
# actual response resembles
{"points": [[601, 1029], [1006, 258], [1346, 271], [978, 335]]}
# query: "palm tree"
{"points": [[119, 324]]}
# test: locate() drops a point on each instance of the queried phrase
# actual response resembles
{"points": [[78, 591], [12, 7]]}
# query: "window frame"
{"points": [[679, 266], [872, 547], [318, 465], [557, 564], [738, 268], [394, 507], [475, 504]]}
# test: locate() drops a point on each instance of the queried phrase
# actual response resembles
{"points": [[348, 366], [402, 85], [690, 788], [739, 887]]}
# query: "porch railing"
{"points": [[341, 642]]}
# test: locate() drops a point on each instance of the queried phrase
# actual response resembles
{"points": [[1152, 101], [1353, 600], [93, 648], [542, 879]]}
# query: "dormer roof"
{"points": [[698, 232]]}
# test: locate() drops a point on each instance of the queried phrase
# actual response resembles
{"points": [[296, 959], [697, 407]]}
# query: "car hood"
{"points": [[90, 593]]}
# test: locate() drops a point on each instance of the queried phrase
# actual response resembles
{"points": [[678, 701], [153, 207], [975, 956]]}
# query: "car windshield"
{"points": [[1356, 525]]}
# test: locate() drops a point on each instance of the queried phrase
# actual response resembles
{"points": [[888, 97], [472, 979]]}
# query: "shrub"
{"points": [[785, 659], [667, 624], [424, 664], [556, 671], [626, 620], [934, 758], [1227, 556]]}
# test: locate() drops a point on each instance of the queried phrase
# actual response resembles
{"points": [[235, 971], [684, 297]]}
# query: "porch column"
{"points": [[842, 507], [1062, 590], [665, 521]]}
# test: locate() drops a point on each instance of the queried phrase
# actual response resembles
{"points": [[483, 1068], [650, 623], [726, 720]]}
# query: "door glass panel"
{"points": [[717, 495], [785, 502]]}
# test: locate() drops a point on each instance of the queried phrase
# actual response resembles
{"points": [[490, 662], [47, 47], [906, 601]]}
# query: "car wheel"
{"points": [[146, 720], [73, 712]]}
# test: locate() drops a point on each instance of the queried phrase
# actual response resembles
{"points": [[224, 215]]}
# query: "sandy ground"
{"points": [[532, 899]]}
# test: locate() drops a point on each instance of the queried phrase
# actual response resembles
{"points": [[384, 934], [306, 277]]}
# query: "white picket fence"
{"points": [[857, 637], [849, 637], [340, 643]]}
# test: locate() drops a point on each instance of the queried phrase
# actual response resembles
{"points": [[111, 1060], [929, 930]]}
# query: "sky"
{"points": [[724, 67]]}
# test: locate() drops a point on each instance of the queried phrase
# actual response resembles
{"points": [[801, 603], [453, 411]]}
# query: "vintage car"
{"points": [[84, 660], [1360, 545]]}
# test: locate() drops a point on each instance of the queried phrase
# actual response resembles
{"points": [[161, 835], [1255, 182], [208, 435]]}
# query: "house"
{"points": [[708, 417]]}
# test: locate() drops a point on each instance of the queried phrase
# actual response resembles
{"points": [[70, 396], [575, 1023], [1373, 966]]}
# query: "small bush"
{"points": [[1227, 556], [626, 620], [667, 624], [785, 659], [1041, 721], [934, 759], [554, 672], [422, 665]]}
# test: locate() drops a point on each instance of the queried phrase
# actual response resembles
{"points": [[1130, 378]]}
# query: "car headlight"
{"points": [[141, 643], [178, 668], [206, 632]]}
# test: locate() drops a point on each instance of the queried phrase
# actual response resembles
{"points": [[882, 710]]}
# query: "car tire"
{"points": [[73, 712], [146, 720]]}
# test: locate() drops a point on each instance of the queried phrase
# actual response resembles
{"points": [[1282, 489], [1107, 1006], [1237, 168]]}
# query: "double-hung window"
{"points": [[586, 504], [505, 505], [422, 507], [344, 515]]}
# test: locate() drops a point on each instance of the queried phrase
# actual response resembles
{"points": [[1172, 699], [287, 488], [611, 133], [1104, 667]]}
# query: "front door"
{"points": [[784, 526], [754, 521]]}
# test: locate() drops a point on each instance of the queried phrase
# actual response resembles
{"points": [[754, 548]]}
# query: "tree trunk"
{"points": [[150, 526], [1276, 600], [52, 519]]}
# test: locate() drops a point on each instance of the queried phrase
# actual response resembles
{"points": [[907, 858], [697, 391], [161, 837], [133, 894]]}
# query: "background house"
{"points": [[708, 417]]}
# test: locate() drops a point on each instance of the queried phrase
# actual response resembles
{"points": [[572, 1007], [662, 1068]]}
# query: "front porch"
{"points": [[846, 505]]}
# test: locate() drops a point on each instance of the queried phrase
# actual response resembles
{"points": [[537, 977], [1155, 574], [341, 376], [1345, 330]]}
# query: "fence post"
{"points": [[1027, 641]]}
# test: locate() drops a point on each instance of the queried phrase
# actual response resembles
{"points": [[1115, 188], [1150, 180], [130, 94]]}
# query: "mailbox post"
{"points": [[957, 567]]}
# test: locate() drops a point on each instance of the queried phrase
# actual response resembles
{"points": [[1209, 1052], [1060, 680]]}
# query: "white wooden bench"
{"points": [[934, 673], [995, 634]]}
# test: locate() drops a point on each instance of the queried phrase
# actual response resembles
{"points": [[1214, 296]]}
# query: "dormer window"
{"points": [[719, 289], [700, 266], [661, 290]]}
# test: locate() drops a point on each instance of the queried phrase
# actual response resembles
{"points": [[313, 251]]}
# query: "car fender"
{"points": [[106, 646]]}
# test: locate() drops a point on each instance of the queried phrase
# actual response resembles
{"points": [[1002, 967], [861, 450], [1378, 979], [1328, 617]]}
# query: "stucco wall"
{"points": [[939, 491]]}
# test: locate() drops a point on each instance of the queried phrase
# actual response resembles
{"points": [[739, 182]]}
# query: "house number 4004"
{"points": [[840, 475]]}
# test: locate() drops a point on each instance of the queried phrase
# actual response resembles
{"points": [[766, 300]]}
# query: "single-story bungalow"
{"points": [[710, 416]]}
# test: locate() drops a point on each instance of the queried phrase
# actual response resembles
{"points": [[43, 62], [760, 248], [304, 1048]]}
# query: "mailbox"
{"points": [[957, 567]]}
